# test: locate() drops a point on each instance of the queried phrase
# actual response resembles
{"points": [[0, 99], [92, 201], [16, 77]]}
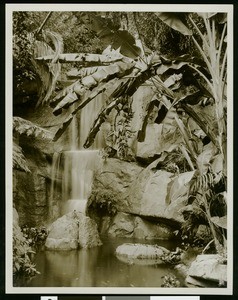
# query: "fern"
{"points": [[25, 127]]}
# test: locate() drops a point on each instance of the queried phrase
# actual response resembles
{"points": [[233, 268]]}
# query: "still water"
{"points": [[97, 267]]}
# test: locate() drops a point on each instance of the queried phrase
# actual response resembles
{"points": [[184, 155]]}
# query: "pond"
{"points": [[97, 267]]}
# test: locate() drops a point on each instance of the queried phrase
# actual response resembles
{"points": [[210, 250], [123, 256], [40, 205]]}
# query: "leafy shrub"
{"points": [[102, 201], [24, 241], [35, 236], [170, 280], [22, 252]]}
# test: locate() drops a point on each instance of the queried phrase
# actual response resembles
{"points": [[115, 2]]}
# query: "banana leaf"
{"points": [[174, 20], [84, 58], [220, 221], [109, 36], [74, 92]]}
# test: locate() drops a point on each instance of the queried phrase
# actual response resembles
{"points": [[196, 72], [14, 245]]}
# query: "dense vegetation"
{"points": [[181, 57]]}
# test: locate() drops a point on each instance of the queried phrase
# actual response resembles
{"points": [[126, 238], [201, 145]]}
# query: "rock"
{"points": [[206, 270], [30, 197], [140, 191], [147, 230], [61, 244], [151, 144], [127, 225], [122, 226], [88, 236], [71, 231], [141, 253], [112, 180], [182, 269], [148, 193]]}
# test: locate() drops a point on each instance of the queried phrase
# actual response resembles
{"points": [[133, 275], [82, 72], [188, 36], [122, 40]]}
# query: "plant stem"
{"points": [[44, 22]]}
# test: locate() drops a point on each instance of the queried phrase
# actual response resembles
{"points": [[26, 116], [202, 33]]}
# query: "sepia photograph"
{"points": [[119, 124]]}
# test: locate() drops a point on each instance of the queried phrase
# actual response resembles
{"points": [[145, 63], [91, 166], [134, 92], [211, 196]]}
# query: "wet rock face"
{"points": [[72, 231], [31, 197], [31, 190]]}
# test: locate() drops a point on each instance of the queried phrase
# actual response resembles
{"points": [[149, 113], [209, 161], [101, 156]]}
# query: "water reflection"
{"points": [[96, 267]]}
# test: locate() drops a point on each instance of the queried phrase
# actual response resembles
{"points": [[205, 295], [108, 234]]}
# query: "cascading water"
{"points": [[76, 165]]}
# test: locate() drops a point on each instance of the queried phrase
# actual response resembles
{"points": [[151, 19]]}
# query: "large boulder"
{"points": [[148, 193], [207, 271], [127, 225], [141, 253], [72, 231], [112, 180], [141, 191]]}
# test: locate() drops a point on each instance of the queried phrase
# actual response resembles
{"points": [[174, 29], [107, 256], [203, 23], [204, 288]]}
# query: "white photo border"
{"points": [[10, 8]]}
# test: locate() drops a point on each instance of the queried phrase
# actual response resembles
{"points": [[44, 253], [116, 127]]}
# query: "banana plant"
{"points": [[211, 172], [124, 67], [126, 71]]}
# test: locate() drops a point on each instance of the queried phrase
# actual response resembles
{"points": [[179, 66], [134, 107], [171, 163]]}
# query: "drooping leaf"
{"points": [[68, 100], [191, 98], [98, 90], [174, 21], [201, 120], [196, 60], [48, 72], [149, 108], [75, 91], [63, 127], [204, 158], [116, 38], [163, 68], [220, 221], [80, 73]]}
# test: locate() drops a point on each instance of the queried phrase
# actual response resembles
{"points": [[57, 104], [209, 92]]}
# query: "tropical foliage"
{"points": [[22, 252], [22, 127], [189, 91]]}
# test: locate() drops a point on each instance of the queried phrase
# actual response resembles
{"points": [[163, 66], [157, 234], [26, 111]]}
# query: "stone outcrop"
{"points": [[72, 231], [127, 225], [31, 190], [142, 191], [207, 271], [31, 197]]}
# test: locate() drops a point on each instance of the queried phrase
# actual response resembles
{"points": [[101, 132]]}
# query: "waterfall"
{"points": [[77, 164]]}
